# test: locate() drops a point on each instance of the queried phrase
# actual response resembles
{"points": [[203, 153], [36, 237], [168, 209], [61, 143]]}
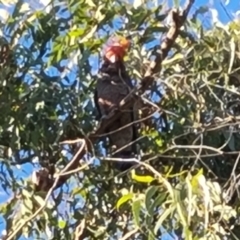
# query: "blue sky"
{"points": [[224, 14]]}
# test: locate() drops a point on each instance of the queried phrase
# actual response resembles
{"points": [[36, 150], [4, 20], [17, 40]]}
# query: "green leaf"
{"points": [[159, 200], [181, 213], [59, 53], [149, 198], [136, 207], [151, 235], [124, 199], [163, 217]]}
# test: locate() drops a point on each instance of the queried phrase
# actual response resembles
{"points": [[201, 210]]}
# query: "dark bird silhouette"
{"points": [[113, 85]]}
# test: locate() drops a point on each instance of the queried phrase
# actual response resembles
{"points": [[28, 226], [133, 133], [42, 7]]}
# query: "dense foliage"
{"points": [[187, 184]]}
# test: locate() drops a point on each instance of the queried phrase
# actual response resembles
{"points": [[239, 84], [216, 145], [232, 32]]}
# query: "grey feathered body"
{"points": [[113, 85]]}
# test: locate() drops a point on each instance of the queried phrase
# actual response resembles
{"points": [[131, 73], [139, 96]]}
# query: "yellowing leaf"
{"points": [[77, 32], [61, 224], [195, 178], [124, 199], [143, 179], [159, 142]]}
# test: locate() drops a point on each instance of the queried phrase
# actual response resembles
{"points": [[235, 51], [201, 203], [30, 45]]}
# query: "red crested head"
{"points": [[116, 49]]}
